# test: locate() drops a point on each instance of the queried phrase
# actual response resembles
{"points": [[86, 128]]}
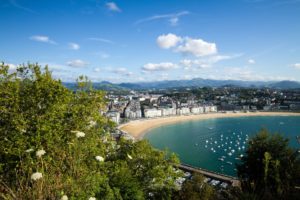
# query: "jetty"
{"points": [[233, 181]]}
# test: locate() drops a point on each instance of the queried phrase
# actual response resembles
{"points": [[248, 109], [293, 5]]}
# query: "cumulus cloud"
{"points": [[168, 41], [77, 63], [197, 47], [173, 18], [187, 46], [159, 66], [251, 61], [205, 62], [42, 38], [112, 6], [74, 46], [296, 65]]}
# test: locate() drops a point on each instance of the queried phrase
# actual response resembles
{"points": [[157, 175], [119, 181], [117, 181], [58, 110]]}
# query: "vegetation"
{"points": [[270, 169], [55, 144], [196, 189]]}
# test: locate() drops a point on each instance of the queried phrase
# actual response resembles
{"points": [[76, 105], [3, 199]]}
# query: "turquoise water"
{"points": [[217, 144]]}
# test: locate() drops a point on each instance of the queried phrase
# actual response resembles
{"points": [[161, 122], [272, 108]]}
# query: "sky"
{"points": [[154, 40]]}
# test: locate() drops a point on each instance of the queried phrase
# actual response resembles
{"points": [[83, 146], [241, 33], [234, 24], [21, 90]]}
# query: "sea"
{"points": [[218, 144]]}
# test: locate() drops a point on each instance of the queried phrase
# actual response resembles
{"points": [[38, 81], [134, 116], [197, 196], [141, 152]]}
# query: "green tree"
{"points": [[56, 142], [196, 189], [270, 169]]}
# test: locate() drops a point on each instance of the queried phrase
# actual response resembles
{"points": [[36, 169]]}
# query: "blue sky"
{"points": [[149, 40]]}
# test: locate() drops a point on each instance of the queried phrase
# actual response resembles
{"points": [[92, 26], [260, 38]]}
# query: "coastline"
{"points": [[138, 128]]}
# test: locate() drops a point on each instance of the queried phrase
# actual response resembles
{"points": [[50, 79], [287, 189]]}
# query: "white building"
{"points": [[153, 112], [213, 109], [114, 116], [168, 111], [197, 109], [183, 111], [133, 110]]}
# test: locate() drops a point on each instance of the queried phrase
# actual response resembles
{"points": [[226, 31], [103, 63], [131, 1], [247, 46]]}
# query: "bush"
{"points": [[55, 142]]}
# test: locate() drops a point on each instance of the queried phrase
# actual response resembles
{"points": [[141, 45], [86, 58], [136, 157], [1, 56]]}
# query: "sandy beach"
{"points": [[138, 128]]}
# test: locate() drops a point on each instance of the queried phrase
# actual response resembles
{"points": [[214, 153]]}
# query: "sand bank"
{"points": [[138, 128]]}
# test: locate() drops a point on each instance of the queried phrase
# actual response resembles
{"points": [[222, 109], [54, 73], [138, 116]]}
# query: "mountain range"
{"points": [[197, 82]]}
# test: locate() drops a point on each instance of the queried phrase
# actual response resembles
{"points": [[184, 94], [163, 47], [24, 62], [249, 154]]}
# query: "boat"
{"points": [[221, 159], [230, 163]]}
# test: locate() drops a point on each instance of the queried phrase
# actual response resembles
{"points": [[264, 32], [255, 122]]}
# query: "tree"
{"points": [[196, 189], [56, 142], [270, 169]]}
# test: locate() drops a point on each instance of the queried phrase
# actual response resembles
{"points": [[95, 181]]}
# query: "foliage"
{"points": [[196, 189], [55, 142], [270, 169]]}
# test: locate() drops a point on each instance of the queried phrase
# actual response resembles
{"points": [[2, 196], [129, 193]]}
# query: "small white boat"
{"points": [[221, 159]]}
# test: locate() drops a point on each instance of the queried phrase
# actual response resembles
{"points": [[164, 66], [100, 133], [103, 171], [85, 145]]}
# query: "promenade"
{"points": [[233, 181]]}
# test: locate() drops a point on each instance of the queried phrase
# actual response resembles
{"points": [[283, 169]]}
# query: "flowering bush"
{"points": [[52, 144]]}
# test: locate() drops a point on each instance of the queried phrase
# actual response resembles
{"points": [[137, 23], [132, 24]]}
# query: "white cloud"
{"points": [[97, 69], [296, 65], [113, 7], [77, 63], [189, 64], [188, 46], [42, 38], [168, 41], [205, 62], [173, 18], [174, 21], [74, 46], [159, 66], [246, 74], [11, 67], [197, 47], [101, 40], [17, 5], [121, 71], [251, 61]]}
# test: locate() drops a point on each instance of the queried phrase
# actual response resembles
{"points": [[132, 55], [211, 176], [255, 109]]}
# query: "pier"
{"points": [[233, 181]]}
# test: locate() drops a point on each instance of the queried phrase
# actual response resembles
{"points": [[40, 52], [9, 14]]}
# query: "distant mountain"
{"points": [[197, 82], [285, 85], [104, 85]]}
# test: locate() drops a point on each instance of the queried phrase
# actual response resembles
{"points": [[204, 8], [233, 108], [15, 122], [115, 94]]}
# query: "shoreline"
{"points": [[138, 128]]}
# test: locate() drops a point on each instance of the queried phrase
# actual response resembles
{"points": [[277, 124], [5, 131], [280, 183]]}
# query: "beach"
{"points": [[138, 128]]}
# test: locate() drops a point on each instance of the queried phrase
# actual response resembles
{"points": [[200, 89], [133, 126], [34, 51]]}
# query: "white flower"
{"points": [[92, 198], [129, 156], [65, 197], [39, 153], [36, 176], [92, 123], [79, 134], [28, 150], [99, 158]]}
